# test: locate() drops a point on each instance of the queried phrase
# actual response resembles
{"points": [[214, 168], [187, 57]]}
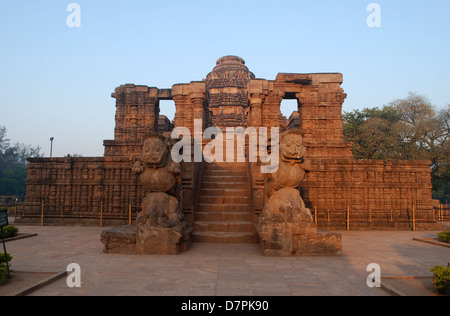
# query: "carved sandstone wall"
{"points": [[336, 181], [137, 113], [75, 189]]}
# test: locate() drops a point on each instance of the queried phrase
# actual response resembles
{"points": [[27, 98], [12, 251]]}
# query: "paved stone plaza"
{"points": [[221, 269]]}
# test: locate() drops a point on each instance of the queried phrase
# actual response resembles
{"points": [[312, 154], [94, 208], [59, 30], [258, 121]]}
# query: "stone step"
{"points": [[225, 166], [224, 192], [223, 226], [225, 185], [214, 208], [224, 237], [224, 212], [224, 199], [223, 216], [223, 172], [224, 178]]}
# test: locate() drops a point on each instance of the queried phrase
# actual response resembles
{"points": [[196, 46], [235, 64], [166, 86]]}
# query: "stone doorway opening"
{"points": [[167, 108], [166, 115], [289, 110], [288, 106]]}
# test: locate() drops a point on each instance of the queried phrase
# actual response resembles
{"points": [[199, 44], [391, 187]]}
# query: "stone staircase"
{"points": [[224, 210]]}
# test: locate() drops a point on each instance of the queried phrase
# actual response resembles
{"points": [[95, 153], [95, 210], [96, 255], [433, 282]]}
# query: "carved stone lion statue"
{"points": [[160, 176], [156, 169], [282, 195], [160, 227]]}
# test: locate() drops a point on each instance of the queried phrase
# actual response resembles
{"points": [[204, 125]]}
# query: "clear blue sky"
{"points": [[57, 81]]}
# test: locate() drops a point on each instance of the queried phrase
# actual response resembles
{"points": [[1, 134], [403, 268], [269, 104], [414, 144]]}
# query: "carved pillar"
{"points": [[307, 104], [190, 104], [320, 112], [255, 112], [320, 119], [271, 108], [137, 113], [258, 90], [182, 111], [198, 106]]}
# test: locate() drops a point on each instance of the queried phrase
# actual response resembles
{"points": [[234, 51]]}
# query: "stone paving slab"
{"points": [[221, 269], [410, 286], [434, 241], [19, 281], [23, 283]]}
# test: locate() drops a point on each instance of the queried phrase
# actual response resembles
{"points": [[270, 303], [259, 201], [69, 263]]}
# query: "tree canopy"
{"points": [[409, 128], [13, 165]]}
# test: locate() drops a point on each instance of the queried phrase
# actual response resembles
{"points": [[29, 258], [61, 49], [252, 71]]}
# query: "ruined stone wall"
{"points": [[334, 185], [365, 185], [77, 188], [336, 181], [80, 187], [137, 113]]}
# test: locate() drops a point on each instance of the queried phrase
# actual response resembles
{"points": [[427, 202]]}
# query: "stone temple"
{"points": [[224, 202]]}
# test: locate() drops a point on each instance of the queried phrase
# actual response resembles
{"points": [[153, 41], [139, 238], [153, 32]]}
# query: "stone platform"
{"points": [[298, 239], [155, 241], [222, 269]]}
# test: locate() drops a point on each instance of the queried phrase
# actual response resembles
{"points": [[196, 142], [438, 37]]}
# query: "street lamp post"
{"points": [[51, 146], [405, 141]]}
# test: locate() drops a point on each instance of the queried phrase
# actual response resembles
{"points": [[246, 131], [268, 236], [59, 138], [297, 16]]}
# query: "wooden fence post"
{"points": [[42, 213], [315, 215], [129, 215], [15, 210], [348, 218], [101, 214]]}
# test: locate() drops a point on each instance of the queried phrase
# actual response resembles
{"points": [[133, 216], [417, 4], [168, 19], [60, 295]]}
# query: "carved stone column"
{"points": [[271, 108], [182, 110], [198, 105], [255, 112], [320, 119], [137, 112]]}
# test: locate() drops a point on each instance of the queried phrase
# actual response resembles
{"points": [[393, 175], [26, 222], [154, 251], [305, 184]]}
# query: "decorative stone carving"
{"points": [[156, 169], [160, 228], [286, 225], [227, 94], [283, 200]]}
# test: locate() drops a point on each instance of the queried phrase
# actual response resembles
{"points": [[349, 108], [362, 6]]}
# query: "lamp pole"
{"points": [[405, 141], [51, 146]]}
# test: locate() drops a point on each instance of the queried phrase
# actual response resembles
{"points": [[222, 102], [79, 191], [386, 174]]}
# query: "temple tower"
{"points": [[226, 89]]}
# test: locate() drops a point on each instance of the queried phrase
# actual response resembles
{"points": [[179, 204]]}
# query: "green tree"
{"points": [[13, 165], [380, 134], [441, 170], [375, 132]]}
